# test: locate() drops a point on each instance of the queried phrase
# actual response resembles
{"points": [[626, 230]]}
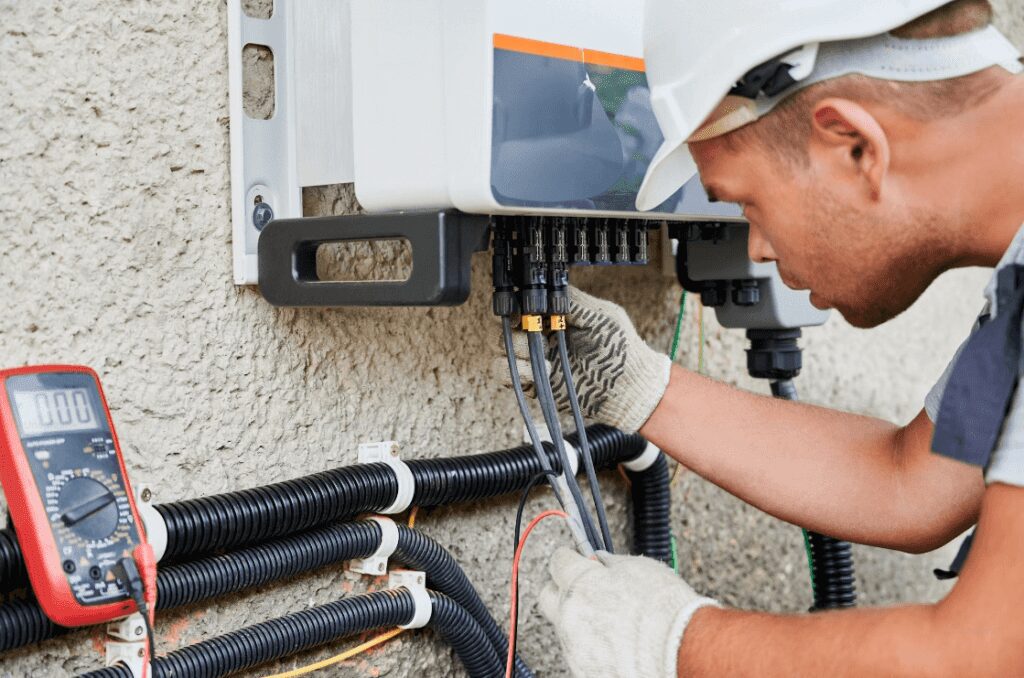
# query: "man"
{"points": [[884, 148]]}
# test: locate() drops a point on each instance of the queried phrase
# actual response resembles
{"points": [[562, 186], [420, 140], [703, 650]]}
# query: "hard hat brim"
{"points": [[673, 165]]}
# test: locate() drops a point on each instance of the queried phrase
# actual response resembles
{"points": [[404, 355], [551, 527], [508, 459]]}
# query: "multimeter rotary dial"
{"points": [[88, 508]]}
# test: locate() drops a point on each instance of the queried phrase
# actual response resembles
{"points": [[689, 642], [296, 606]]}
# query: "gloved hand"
{"points": [[619, 616], [619, 378]]}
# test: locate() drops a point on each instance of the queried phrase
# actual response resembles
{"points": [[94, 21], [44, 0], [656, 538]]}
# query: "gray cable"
{"points": [[546, 399], [581, 429], [531, 429]]}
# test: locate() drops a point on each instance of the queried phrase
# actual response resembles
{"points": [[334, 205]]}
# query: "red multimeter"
{"points": [[67, 491]]}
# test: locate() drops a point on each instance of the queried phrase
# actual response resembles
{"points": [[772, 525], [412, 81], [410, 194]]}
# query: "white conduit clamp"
{"points": [[387, 453], [545, 437], [644, 461], [574, 456], [414, 582], [377, 563], [153, 523], [126, 644]]}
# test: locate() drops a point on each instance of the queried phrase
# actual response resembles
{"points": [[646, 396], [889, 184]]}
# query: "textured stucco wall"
{"points": [[116, 253]]}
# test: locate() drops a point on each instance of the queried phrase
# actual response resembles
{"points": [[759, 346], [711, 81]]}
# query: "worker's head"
{"points": [[850, 184]]}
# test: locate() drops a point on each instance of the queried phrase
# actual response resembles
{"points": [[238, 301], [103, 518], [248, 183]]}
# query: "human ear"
{"points": [[852, 135]]}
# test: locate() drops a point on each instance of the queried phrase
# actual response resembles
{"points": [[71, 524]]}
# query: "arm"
{"points": [[848, 476], [977, 630]]}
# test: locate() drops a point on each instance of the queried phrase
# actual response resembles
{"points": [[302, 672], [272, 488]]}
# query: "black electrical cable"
{"points": [[536, 480], [126, 571], [547, 405], [279, 638], [524, 411], [588, 461]]}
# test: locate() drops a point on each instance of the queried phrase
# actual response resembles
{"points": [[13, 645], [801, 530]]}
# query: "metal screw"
{"points": [[262, 214], [142, 653], [146, 494], [139, 630]]}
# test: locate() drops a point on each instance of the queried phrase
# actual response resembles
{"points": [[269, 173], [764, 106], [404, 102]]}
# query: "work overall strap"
{"points": [[981, 388]]}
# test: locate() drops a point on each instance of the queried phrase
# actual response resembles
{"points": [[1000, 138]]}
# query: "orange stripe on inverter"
{"points": [[592, 56], [566, 52]]}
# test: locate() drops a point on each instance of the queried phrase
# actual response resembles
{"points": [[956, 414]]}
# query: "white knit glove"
{"points": [[619, 378], [619, 616]]}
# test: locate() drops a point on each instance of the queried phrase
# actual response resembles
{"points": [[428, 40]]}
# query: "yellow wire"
{"points": [[675, 475], [347, 654], [412, 516]]}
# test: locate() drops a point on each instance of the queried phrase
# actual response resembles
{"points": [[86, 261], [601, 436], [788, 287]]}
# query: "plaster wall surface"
{"points": [[116, 253]]}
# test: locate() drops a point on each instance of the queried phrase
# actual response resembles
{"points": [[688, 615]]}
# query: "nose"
{"points": [[758, 248]]}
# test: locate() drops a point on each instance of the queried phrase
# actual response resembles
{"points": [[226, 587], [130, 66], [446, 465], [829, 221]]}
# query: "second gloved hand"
{"points": [[619, 616], [619, 378]]}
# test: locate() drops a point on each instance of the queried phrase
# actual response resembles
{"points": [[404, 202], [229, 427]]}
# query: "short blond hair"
{"points": [[786, 129]]}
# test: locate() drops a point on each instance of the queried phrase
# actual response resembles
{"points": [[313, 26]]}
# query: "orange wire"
{"points": [[514, 615], [412, 516]]}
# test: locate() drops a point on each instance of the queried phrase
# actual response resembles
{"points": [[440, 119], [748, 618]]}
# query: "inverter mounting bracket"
{"points": [[307, 141]]}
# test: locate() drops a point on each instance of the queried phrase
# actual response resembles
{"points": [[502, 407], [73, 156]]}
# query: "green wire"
{"points": [[679, 327], [672, 356], [810, 558]]}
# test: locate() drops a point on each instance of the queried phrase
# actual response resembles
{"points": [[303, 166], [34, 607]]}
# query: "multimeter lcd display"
{"points": [[54, 411]]}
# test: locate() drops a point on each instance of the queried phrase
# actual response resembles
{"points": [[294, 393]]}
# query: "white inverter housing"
{"points": [[484, 106], [506, 107]]}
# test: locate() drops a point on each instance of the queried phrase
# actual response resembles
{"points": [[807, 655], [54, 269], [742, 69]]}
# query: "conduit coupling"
{"points": [[387, 453], [377, 562], [645, 461], [414, 582]]}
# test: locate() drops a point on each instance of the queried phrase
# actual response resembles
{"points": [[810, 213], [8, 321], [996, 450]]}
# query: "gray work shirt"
{"points": [[1007, 462]]}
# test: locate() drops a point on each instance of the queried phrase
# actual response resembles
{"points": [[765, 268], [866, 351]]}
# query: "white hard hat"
{"points": [[742, 57]]}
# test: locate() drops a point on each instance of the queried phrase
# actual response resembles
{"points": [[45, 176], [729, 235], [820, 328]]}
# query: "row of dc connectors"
{"points": [[533, 254]]}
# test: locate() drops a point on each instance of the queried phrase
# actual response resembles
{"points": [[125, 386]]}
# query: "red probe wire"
{"points": [[145, 560], [514, 615]]}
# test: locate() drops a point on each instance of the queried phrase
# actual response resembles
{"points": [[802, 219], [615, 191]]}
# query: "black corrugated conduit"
{"points": [[831, 560], [225, 521], [198, 526], [12, 568], [438, 482], [285, 636], [22, 622], [652, 503]]}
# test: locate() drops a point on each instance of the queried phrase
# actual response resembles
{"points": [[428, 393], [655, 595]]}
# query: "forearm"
{"points": [[848, 476], [904, 641]]}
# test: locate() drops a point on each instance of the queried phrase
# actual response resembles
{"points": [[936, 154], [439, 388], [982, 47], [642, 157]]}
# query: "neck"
{"points": [[977, 169]]}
